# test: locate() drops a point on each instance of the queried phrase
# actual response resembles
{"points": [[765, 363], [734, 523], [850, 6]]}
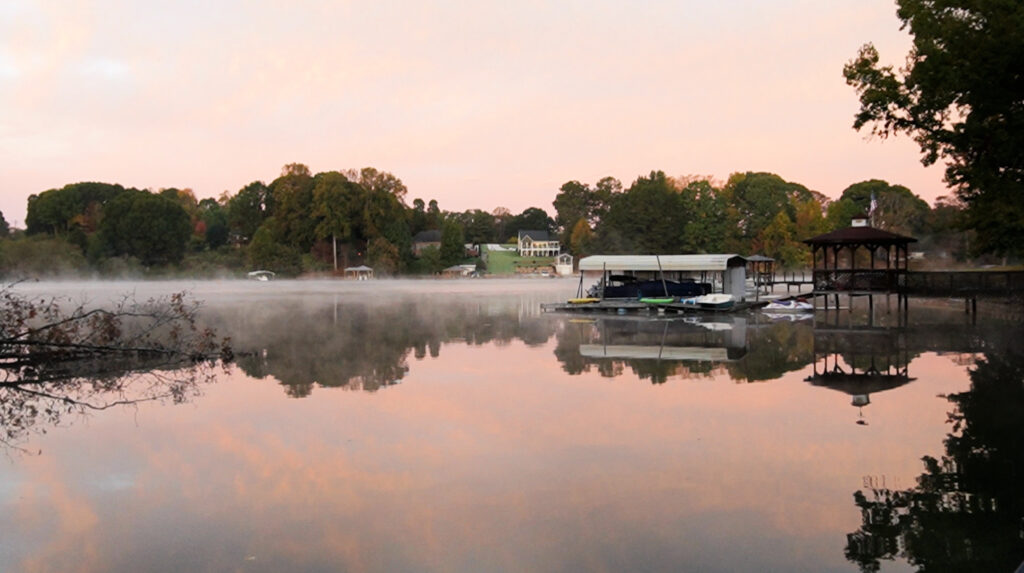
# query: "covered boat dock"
{"points": [[714, 273]]}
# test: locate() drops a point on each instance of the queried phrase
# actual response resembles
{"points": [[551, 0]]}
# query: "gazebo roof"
{"points": [[860, 235]]}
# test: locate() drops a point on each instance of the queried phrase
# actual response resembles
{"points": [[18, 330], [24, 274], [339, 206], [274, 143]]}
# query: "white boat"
{"points": [[789, 305], [711, 301], [261, 275]]}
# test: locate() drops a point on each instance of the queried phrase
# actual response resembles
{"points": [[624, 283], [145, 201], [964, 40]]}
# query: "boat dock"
{"points": [[624, 306]]}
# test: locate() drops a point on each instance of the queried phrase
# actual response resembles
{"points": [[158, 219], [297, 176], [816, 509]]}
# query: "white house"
{"points": [[537, 244]]}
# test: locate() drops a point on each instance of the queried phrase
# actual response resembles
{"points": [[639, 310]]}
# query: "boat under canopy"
{"points": [[730, 267]]}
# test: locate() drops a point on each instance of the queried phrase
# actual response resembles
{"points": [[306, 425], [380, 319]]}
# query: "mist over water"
{"points": [[451, 425]]}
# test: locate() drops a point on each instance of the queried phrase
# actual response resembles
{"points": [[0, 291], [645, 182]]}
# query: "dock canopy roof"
{"points": [[668, 262]]}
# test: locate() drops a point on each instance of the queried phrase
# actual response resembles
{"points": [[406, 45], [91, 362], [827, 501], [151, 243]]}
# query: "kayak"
{"points": [[656, 300], [586, 300]]}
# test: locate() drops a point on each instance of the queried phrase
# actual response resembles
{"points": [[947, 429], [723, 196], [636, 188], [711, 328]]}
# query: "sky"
{"points": [[477, 104]]}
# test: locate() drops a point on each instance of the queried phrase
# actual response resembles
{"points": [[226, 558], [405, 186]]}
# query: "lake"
{"points": [[453, 426]]}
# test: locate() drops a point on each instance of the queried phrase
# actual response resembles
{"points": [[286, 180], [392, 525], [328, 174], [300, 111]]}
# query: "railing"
{"points": [[869, 280], [966, 283]]}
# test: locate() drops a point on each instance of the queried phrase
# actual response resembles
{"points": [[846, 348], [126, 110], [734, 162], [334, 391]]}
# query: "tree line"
{"points": [[306, 222], [750, 213], [299, 222]]}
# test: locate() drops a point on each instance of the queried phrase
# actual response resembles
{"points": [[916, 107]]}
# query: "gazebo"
{"points": [[362, 272], [850, 261]]}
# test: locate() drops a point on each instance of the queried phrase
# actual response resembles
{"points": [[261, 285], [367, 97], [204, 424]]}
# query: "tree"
{"points": [[5, 229], [383, 256], [959, 97], [332, 195], [293, 207], [759, 197], [502, 216], [77, 205], [453, 248], [605, 191], [152, 228], [897, 209], [214, 217], [248, 209], [649, 217], [777, 241], [574, 202], [264, 252], [946, 229], [378, 181], [582, 238], [531, 219], [39, 256], [711, 226], [479, 226]]}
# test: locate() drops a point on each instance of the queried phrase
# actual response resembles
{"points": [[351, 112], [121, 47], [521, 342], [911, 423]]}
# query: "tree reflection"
{"points": [[967, 511], [367, 346]]}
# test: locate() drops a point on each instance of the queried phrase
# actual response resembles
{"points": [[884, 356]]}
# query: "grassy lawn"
{"points": [[504, 262], [501, 262]]}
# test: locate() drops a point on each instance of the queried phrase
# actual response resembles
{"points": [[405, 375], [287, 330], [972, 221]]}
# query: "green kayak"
{"points": [[654, 300]]}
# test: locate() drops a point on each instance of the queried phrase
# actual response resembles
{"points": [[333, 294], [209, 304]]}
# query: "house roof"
{"points": [[535, 235], [431, 236], [860, 235], [360, 268], [661, 262]]}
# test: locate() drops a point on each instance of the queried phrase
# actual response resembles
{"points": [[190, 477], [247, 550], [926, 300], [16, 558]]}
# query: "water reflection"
{"points": [[34, 407], [967, 511], [683, 347], [359, 346], [485, 435]]}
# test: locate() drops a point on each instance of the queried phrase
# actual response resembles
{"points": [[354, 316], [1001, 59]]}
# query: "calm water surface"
{"points": [[453, 426]]}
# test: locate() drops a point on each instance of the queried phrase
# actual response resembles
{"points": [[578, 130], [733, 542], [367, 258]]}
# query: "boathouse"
{"points": [[726, 273], [860, 260]]}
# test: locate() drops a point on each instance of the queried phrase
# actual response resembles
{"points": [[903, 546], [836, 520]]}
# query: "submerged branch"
{"points": [[55, 363]]}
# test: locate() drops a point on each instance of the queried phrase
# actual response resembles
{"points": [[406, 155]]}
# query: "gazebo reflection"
{"points": [[860, 362]]}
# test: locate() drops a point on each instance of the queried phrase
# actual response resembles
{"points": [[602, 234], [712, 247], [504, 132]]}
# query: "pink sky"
{"points": [[475, 104]]}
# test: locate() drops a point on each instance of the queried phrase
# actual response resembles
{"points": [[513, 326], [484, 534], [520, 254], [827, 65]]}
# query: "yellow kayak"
{"points": [[583, 300]]}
